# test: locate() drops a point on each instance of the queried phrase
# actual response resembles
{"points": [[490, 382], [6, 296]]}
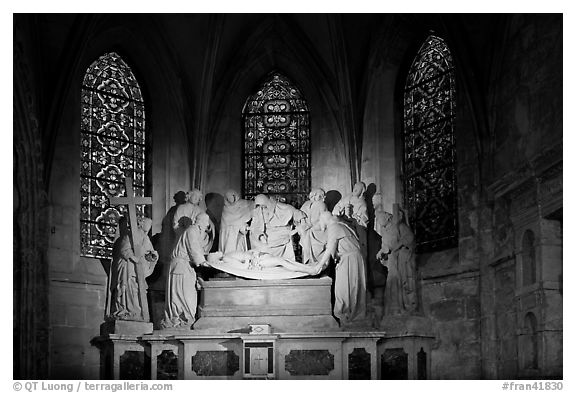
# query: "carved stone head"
{"points": [[195, 196], [203, 221], [359, 189], [317, 194], [145, 224], [261, 201], [231, 196]]}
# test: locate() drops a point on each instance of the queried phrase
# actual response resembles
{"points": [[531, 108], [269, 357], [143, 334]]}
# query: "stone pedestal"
{"points": [[123, 356], [286, 305], [126, 327], [405, 354]]}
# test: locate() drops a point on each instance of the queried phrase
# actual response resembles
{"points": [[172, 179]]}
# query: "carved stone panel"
{"points": [[132, 365], [359, 364], [309, 362], [259, 359], [394, 364], [421, 364], [215, 363], [167, 365]]}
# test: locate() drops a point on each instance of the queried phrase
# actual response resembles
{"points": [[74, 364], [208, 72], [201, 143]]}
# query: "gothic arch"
{"points": [[529, 349], [276, 141], [272, 46]]}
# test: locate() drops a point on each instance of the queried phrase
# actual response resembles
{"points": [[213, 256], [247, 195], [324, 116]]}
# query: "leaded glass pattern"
{"points": [[277, 142], [113, 142], [429, 154]]}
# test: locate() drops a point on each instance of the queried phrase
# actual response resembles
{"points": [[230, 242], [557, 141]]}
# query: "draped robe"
{"points": [[350, 280], [312, 238], [400, 292], [185, 210], [181, 296], [276, 223], [235, 217], [124, 297], [358, 214]]}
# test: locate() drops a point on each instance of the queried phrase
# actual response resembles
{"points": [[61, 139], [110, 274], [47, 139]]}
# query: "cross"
{"points": [[131, 201], [259, 361]]}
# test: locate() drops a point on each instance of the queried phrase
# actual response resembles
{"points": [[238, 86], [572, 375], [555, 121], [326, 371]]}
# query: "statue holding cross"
{"points": [[133, 259]]}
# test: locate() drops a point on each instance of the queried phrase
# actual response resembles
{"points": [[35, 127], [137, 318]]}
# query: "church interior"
{"points": [[456, 118]]}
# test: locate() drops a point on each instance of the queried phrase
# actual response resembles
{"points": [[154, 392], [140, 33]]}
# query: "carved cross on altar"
{"points": [[258, 361], [131, 201]]}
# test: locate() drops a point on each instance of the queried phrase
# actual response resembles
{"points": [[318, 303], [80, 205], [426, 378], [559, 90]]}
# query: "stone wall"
{"points": [[526, 123], [527, 101]]}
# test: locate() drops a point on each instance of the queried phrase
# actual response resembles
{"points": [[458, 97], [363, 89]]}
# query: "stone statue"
{"points": [[312, 238], [382, 226], [186, 213], [168, 233], [350, 282], [397, 255], [234, 223], [189, 252], [271, 226], [124, 301], [352, 207], [379, 248]]}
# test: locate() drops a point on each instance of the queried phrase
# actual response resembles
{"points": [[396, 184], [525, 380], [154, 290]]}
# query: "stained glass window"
{"points": [[277, 142], [113, 147], [429, 155]]}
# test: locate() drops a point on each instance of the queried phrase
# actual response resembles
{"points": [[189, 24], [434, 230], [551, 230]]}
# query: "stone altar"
{"points": [[287, 305], [270, 329]]}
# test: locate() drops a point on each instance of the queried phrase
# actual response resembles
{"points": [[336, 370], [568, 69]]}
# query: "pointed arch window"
{"points": [[113, 147], [276, 159], [429, 151]]}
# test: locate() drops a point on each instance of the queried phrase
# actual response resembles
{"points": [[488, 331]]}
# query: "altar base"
{"points": [[286, 356], [286, 305], [126, 327], [284, 329]]}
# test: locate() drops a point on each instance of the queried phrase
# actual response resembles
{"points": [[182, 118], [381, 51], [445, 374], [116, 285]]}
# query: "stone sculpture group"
{"points": [[256, 240]]}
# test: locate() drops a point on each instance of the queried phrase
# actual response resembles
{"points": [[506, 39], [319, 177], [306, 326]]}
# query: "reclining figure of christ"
{"points": [[261, 265]]}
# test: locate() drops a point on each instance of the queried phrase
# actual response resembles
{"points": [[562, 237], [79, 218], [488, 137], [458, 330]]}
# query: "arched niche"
{"points": [[528, 258], [529, 343]]}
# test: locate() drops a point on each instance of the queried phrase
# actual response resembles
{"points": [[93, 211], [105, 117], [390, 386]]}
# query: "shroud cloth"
{"points": [[240, 269]]}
